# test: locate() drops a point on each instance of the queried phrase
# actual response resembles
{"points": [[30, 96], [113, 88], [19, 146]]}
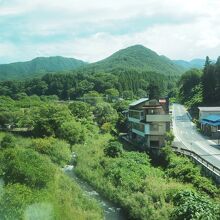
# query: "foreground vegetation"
{"points": [[46, 132], [33, 185], [146, 192]]}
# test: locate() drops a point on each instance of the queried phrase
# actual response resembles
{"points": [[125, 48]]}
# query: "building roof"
{"points": [[209, 109], [213, 120], [138, 102]]}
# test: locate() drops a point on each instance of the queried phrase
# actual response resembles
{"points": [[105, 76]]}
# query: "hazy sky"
{"points": [[93, 29]]}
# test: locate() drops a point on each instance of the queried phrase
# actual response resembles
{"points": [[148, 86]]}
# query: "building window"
{"points": [[134, 114], [138, 126]]}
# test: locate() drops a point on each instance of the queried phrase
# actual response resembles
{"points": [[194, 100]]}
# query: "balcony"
{"points": [[141, 129], [136, 116], [158, 118]]}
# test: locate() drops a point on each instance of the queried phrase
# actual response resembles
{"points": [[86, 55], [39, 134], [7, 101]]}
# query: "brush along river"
{"points": [[111, 212]]}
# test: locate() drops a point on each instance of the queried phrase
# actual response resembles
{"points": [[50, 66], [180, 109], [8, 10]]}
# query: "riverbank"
{"points": [[110, 210], [145, 192]]}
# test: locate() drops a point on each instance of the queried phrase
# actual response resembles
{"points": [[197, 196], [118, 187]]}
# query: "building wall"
{"points": [[203, 114]]}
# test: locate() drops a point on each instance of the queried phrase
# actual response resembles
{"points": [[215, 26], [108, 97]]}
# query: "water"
{"points": [[111, 212]]}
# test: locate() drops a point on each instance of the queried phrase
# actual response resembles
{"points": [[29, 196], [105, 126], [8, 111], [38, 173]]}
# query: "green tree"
{"points": [[187, 83], [127, 94], [154, 90], [113, 149], [112, 94], [81, 110], [49, 118], [104, 112], [209, 82], [92, 97], [72, 131]]}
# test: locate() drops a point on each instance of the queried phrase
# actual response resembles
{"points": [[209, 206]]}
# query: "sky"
{"points": [[91, 30]]}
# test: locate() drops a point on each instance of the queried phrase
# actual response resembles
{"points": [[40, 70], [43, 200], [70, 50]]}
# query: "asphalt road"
{"points": [[186, 134]]}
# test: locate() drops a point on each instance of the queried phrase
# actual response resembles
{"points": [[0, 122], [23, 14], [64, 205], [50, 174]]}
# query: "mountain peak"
{"points": [[140, 58]]}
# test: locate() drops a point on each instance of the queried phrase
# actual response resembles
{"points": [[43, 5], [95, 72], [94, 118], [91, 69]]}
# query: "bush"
{"points": [[58, 151], [15, 199], [190, 205], [8, 141], [72, 131], [114, 149], [169, 137], [26, 166], [182, 169]]}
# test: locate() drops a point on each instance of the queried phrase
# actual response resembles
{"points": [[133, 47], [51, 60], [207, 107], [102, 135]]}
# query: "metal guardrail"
{"points": [[198, 158]]}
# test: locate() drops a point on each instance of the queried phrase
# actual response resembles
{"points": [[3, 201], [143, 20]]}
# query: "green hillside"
{"points": [[38, 67], [139, 58]]}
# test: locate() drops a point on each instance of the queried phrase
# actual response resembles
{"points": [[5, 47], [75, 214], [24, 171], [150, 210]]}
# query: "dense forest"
{"points": [[199, 88], [126, 84]]}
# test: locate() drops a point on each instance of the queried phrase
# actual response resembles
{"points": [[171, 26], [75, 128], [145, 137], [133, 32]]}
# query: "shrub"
{"points": [[190, 205], [113, 149], [72, 131], [26, 166], [8, 141], [169, 137], [58, 151], [14, 200]]}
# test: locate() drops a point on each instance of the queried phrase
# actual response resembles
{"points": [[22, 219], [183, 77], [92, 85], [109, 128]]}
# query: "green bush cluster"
{"points": [[57, 150], [113, 149], [184, 170], [189, 205], [32, 187], [129, 179]]}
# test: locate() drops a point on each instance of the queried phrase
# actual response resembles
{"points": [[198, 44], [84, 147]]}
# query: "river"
{"points": [[111, 212]]}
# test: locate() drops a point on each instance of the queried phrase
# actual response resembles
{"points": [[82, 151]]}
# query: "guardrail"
{"points": [[215, 170]]}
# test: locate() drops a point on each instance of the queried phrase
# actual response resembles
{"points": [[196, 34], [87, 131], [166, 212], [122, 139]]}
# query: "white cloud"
{"points": [[91, 29]]}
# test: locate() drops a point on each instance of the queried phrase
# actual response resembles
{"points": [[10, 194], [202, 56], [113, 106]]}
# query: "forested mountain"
{"points": [[137, 58], [38, 67], [187, 65]]}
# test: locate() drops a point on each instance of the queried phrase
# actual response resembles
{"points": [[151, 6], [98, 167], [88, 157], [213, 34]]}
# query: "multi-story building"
{"points": [[209, 118], [149, 121]]}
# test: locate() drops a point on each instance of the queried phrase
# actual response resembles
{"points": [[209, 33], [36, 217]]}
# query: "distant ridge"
{"points": [[186, 65], [37, 67]]}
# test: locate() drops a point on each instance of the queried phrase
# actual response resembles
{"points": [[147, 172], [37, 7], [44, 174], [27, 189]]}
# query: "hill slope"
{"points": [[37, 67], [139, 58]]}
